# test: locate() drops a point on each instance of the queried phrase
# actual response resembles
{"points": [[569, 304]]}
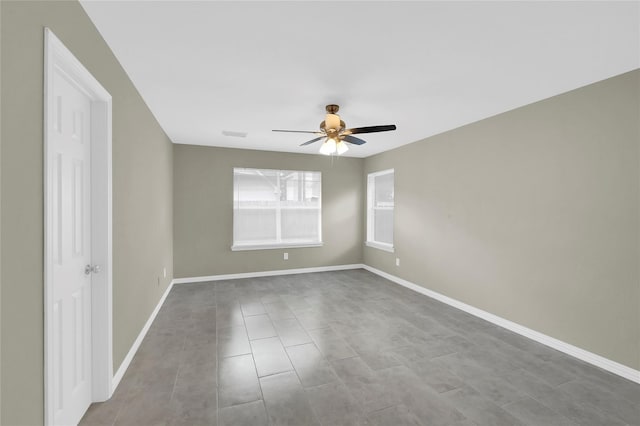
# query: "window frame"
{"points": [[279, 208], [370, 242]]}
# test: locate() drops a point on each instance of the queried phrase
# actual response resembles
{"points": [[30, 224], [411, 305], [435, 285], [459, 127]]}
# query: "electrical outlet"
{"points": [[164, 272], [286, 256], [397, 261]]}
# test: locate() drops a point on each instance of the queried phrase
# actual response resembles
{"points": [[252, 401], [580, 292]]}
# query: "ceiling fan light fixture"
{"points": [[341, 148], [328, 147], [335, 133]]}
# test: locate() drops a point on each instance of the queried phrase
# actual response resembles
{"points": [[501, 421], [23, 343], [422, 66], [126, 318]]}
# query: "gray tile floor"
{"points": [[348, 348]]}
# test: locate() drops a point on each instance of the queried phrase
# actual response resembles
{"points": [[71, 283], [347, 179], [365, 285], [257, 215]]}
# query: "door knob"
{"points": [[89, 269]]}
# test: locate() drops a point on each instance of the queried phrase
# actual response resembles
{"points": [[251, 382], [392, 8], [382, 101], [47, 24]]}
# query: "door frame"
{"points": [[57, 58]]}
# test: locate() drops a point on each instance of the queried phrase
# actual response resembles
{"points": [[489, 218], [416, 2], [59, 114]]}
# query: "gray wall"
{"points": [[203, 211], [142, 197], [532, 215]]}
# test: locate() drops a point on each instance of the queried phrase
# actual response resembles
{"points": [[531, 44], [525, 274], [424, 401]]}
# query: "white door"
{"points": [[71, 238]]}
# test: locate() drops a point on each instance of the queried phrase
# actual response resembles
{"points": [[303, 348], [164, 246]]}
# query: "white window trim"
{"points": [[380, 246], [245, 247], [370, 196], [280, 245]]}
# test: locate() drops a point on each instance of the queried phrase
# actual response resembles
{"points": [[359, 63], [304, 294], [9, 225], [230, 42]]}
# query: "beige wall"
{"points": [[532, 215], [0, 221], [203, 211], [142, 197]]}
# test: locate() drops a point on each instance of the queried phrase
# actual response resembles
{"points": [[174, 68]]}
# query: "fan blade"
{"points": [[312, 141], [299, 131], [370, 129], [352, 139]]}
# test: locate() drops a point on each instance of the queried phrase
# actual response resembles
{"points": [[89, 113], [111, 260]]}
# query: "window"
{"points": [[380, 207], [276, 208]]}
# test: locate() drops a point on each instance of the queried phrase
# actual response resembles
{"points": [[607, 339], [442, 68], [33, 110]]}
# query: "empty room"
{"points": [[319, 213]]}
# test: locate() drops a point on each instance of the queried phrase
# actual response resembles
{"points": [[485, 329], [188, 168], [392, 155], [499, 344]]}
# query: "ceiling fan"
{"points": [[335, 133]]}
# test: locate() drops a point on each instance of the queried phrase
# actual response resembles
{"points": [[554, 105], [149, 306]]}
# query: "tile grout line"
{"points": [[255, 366], [304, 390], [541, 403]]}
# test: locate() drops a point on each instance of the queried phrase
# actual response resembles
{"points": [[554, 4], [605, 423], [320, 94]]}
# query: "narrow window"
{"points": [[380, 206]]}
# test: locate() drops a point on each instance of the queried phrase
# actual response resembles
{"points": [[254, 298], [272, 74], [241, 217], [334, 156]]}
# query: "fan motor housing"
{"points": [[323, 127]]}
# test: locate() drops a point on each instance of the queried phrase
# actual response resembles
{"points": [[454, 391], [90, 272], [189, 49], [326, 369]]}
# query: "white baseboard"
{"points": [[267, 273], [136, 344], [586, 356]]}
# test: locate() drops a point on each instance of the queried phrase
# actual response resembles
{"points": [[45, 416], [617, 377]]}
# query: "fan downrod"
{"points": [[332, 108]]}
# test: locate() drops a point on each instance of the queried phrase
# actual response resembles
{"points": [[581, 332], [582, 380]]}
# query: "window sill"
{"points": [[246, 247], [380, 246]]}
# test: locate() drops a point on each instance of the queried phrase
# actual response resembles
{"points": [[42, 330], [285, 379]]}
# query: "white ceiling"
{"points": [[207, 67]]}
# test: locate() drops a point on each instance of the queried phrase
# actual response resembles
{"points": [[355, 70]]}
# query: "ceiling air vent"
{"points": [[234, 134]]}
